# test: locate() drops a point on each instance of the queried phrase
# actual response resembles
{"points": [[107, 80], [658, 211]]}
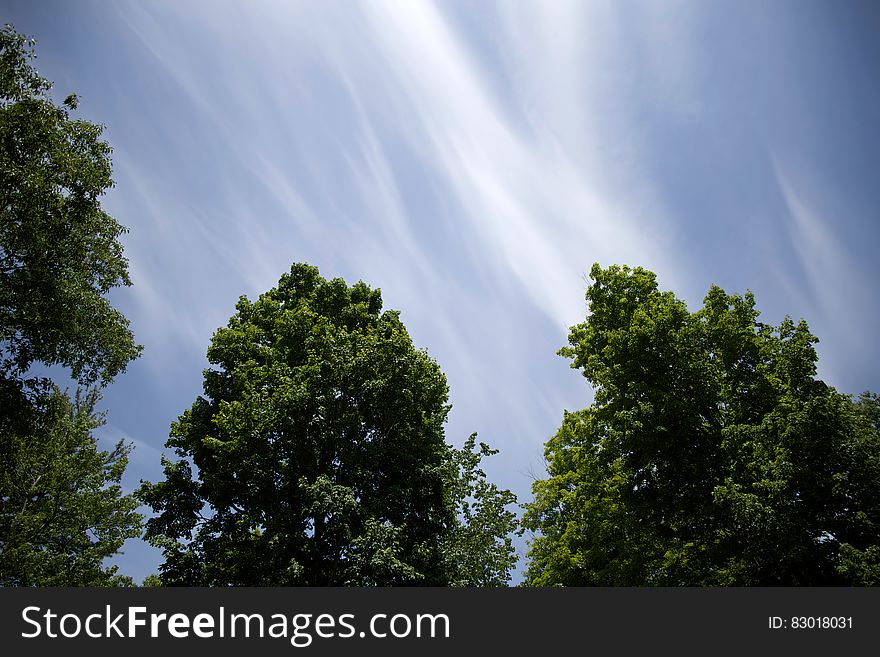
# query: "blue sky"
{"points": [[473, 159]]}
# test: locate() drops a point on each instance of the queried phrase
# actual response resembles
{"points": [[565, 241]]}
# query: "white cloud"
{"points": [[534, 208], [834, 284], [322, 116]]}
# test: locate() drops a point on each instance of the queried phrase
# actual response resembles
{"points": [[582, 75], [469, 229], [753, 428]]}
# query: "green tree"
{"points": [[62, 510], [479, 548], [317, 455], [710, 456], [59, 251]]}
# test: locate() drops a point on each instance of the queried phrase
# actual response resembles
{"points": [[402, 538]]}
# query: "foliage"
{"points": [[710, 456], [317, 455], [479, 549], [152, 581], [62, 511], [59, 251]]}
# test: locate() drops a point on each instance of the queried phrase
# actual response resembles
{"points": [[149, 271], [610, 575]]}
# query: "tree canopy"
{"points": [[712, 455], [62, 510], [317, 457], [59, 251]]}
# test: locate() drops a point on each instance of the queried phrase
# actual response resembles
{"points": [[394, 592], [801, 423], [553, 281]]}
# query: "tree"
{"points": [[710, 456], [317, 455], [62, 510], [479, 549], [59, 251]]}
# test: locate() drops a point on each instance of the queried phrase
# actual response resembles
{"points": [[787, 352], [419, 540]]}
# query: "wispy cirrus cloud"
{"points": [[830, 281], [532, 210], [536, 210], [374, 140]]}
